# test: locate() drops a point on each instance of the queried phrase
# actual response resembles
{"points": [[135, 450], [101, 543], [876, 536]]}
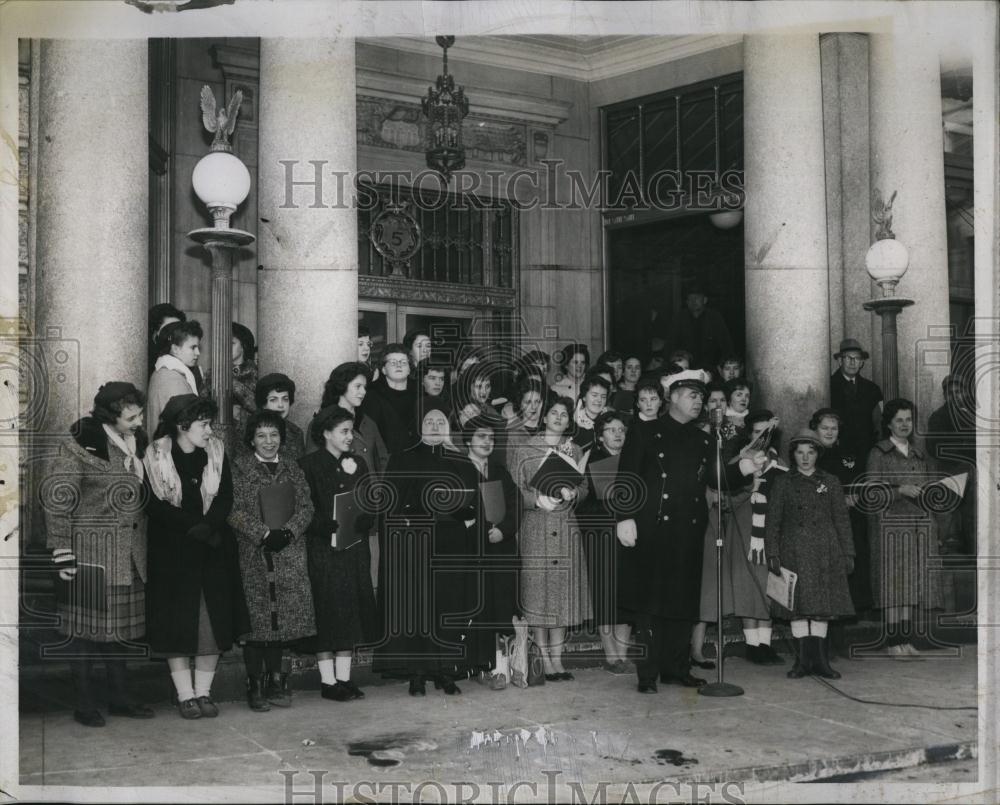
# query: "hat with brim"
{"points": [[851, 345], [806, 436], [689, 378]]}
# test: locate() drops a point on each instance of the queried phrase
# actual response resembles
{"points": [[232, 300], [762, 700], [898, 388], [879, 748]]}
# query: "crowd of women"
{"points": [[418, 515]]}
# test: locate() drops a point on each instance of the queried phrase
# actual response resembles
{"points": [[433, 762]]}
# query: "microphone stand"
{"points": [[719, 687]]}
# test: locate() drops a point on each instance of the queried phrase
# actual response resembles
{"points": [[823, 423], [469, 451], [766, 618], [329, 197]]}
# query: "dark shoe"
{"points": [[768, 656], [337, 692], [255, 694], [753, 654], [566, 676], [356, 692], [705, 665], [688, 681], [553, 677], [418, 687], [131, 710], [447, 685], [207, 707], [618, 667], [821, 656], [89, 718], [802, 664], [189, 709], [276, 689], [648, 686]]}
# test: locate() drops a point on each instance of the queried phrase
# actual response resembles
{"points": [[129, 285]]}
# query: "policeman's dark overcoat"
{"points": [[672, 463]]}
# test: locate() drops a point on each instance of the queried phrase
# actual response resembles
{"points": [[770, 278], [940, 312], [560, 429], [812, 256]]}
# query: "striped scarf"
{"points": [[758, 500]]}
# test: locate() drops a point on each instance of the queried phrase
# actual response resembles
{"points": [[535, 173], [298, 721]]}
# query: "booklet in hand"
{"points": [[603, 473], [277, 504], [782, 588], [345, 512], [556, 472], [494, 506]]}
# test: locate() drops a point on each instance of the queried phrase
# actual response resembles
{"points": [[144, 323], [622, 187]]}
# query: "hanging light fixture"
{"points": [[725, 218], [445, 107]]}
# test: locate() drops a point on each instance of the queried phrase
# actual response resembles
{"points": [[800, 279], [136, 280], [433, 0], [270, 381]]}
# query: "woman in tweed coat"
{"points": [[98, 474], [554, 588], [808, 531], [902, 533], [272, 559]]}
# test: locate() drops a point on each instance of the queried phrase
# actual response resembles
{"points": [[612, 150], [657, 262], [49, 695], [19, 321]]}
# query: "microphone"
{"points": [[716, 417]]}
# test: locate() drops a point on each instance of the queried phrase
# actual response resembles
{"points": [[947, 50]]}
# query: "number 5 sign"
{"points": [[396, 236]]}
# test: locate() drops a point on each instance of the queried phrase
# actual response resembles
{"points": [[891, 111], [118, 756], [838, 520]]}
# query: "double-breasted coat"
{"points": [[343, 597], [183, 570], [808, 531], [94, 506], [665, 465], [554, 587], [902, 535], [278, 593]]}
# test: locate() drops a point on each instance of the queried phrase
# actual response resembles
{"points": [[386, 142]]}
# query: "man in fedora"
{"points": [[857, 400]]}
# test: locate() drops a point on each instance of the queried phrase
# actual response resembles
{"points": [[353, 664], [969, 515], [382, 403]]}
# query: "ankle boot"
{"points": [[821, 665], [276, 690], [255, 694], [802, 663]]}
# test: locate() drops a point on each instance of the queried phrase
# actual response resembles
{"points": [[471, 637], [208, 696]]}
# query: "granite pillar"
{"points": [[93, 222], [308, 293], [907, 157], [785, 243]]}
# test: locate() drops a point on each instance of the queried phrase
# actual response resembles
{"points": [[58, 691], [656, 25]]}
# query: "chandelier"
{"points": [[445, 108]]}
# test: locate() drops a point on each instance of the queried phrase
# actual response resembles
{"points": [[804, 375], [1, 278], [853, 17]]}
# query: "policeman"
{"points": [[667, 463]]}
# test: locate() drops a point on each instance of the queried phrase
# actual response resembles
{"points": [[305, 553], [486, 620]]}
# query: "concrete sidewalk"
{"points": [[595, 728]]}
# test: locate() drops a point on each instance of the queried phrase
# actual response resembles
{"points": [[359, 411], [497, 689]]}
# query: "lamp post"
{"points": [[222, 182], [886, 263]]}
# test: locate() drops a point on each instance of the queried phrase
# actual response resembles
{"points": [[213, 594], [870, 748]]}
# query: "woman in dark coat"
{"points": [[808, 531], [194, 601], [339, 560], [425, 521], [604, 553], [271, 511], [98, 471], [846, 466], [903, 533], [492, 545]]}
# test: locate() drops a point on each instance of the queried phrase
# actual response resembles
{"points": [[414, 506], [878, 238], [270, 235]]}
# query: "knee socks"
{"points": [[182, 682]]}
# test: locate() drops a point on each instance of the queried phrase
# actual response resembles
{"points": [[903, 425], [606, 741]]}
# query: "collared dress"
{"points": [[342, 592], [554, 587], [809, 532], [903, 536]]}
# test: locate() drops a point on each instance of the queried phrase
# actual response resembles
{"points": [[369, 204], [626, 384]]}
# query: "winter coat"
{"points": [[163, 384], [554, 587], [808, 531], [183, 568], [902, 535], [858, 407], [285, 611]]}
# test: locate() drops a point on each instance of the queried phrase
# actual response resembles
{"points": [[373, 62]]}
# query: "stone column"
{"points": [[308, 293], [844, 59], [787, 296], [907, 156], [93, 221]]}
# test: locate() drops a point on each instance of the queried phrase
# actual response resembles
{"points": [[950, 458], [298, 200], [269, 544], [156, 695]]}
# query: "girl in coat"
{"points": [[555, 592], [176, 369], [425, 522], [808, 532], [339, 561], [347, 388], [604, 553], [276, 392], [195, 604], [492, 546], [271, 510], [902, 532], [99, 471]]}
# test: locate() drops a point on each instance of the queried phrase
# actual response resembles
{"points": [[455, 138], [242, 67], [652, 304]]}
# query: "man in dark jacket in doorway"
{"points": [[701, 330]]}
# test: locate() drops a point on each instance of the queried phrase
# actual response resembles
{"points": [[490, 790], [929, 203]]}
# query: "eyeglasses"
{"points": [[398, 363]]}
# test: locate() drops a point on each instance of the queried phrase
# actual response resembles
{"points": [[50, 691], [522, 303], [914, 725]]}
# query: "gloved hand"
{"points": [[65, 562], [495, 535], [756, 554], [547, 503], [774, 565], [277, 540]]}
